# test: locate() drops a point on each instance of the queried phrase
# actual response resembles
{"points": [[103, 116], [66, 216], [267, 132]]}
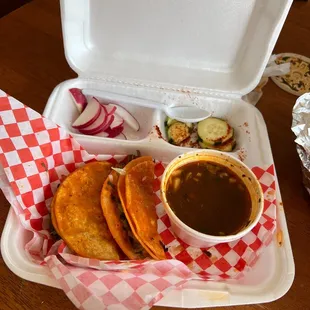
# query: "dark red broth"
{"points": [[209, 198]]}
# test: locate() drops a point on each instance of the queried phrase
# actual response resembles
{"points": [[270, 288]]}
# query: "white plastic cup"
{"points": [[196, 238]]}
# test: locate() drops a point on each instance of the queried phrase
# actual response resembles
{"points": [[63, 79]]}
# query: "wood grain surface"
{"points": [[32, 63], [8, 6]]}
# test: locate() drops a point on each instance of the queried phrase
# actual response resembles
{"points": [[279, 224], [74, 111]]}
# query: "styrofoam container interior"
{"points": [[216, 46], [213, 50], [271, 276], [144, 116]]}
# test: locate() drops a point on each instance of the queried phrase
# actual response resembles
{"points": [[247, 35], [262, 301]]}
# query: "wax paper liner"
{"points": [[36, 155]]}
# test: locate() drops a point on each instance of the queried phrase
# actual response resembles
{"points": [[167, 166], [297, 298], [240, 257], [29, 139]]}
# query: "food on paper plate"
{"points": [[209, 198], [135, 189], [77, 215], [211, 133], [103, 119], [116, 219], [297, 80]]}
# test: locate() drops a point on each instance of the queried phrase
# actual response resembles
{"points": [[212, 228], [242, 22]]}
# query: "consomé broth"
{"points": [[209, 198]]}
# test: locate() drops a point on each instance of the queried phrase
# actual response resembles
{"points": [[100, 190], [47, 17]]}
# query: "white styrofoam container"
{"points": [[213, 50]]}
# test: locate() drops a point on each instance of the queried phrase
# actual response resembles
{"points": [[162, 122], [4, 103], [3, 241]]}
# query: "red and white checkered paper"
{"points": [[36, 154]]}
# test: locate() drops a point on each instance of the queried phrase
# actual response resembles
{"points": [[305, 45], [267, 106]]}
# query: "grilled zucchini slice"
{"points": [[228, 146], [178, 132], [214, 131], [170, 121]]}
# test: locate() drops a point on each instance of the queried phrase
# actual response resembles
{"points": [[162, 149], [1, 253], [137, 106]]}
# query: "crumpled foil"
{"points": [[301, 128]]}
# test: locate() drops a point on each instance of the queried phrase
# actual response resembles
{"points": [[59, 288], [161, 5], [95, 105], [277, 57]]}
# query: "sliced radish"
{"points": [[110, 120], [118, 121], [96, 100], [105, 101], [102, 127], [114, 132], [110, 108], [88, 116], [126, 116], [78, 98], [96, 126]]}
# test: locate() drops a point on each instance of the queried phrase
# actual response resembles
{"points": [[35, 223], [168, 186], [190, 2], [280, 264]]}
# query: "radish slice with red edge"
{"points": [[102, 127], [104, 101], [114, 132], [88, 116], [126, 116], [96, 126], [110, 109], [122, 112], [110, 120], [78, 98], [118, 121], [96, 100]]}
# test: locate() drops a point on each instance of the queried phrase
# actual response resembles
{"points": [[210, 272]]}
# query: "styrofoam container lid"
{"points": [[215, 47]]}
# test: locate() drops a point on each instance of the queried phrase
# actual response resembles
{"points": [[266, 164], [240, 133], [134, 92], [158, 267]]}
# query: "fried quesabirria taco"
{"points": [[119, 227], [77, 215], [135, 189]]}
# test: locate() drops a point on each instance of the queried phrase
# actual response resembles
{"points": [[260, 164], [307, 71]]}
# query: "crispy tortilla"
{"points": [[77, 214], [114, 214], [53, 218], [135, 190]]}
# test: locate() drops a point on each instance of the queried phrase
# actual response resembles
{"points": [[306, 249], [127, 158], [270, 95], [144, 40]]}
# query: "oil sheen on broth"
{"points": [[209, 198]]}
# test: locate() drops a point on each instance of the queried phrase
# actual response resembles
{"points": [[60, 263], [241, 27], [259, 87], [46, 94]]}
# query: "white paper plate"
{"points": [[299, 73]]}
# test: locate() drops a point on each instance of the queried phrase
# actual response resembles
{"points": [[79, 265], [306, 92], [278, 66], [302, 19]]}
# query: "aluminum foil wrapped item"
{"points": [[272, 69], [301, 128]]}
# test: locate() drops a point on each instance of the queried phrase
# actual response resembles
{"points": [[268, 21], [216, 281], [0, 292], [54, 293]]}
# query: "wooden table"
{"points": [[32, 63]]}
